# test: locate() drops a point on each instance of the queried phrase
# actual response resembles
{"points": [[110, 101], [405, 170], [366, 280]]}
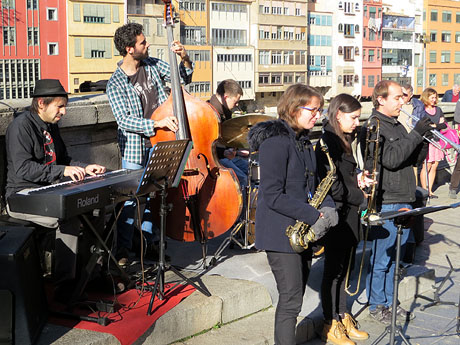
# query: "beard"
{"points": [[141, 56]]}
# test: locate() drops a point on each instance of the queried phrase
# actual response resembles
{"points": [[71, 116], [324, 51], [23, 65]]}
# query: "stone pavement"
{"points": [[243, 289]]}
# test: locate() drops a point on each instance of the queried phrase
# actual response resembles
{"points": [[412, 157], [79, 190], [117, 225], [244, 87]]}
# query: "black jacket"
{"points": [[398, 154], [27, 160], [344, 191], [287, 178]]}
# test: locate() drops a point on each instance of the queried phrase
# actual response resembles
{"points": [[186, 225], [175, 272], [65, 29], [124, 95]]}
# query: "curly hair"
{"points": [[126, 36]]}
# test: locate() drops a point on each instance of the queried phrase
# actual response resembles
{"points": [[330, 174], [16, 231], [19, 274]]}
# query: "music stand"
{"points": [[164, 170], [401, 219]]}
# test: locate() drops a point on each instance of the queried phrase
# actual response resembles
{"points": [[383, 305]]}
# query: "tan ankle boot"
{"points": [[335, 333], [351, 330]]}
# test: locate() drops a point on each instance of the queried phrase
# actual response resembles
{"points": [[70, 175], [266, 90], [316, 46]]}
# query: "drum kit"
{"points": [[235, 134]]}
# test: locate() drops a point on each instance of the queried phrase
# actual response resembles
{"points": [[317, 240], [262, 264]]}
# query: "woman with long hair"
{"points": [[340, 241], [428, 173], [288, 180]]}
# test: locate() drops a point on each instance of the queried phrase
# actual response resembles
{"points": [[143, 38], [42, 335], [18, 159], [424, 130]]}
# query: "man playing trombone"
{"points": [[398, 153]]}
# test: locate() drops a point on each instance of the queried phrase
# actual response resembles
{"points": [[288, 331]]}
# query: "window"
{"points": [[457, 17], [445, 56], [457, 37], [457, 57], [445, 79], [432, 80], [76, 81], [340, 27], [193, 35], [445, 36], [201, 55], [32, 36], [264, 57], [348, 30], [432, 55], [364, 80], [365, 11], [288, 78], [97, 48], [276, 57], [276, 78], [227, 37], [371, 55], [340, 5], [357, 28], [9, 36], [51, 13], [371, 35], [370, 81], [364, 54], [32, 4], [434, 15], [53, 48], [263, 78], [456, 78], [348, 54], [446, 16], [348, 80], [297, 12], [96, 13], [160, 27], [200, 87], [289, 57], [433, 36], [146, 25], [300, 57], [161, 54], [357, 7]]}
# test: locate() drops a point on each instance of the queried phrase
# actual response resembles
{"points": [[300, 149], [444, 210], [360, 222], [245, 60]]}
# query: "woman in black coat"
{"points": [[287, 180], [341, 241]]}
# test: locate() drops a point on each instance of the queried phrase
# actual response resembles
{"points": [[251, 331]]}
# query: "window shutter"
{"points": [[87, 48], [108, 48], [107, 18], [86, 10], [115, 51], [116, 13], [77, 43], [76, 13]]}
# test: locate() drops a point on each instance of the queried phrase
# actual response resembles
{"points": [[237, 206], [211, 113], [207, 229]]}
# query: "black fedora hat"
{"points": [[48, 87]]}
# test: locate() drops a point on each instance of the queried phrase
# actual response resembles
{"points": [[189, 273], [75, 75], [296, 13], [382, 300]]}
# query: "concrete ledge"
{"points": [[231, 299]]}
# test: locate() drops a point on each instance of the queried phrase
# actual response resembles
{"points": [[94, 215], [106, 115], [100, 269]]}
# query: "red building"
{"points": [[372, 45], [33, 45]]}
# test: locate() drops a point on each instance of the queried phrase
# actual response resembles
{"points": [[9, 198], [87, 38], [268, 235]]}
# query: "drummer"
{"points": [[226, 98]]}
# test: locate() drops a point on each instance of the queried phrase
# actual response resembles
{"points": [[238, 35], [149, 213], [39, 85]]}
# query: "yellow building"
{"points": [[195, 35], [91, 26], [441, 24]]}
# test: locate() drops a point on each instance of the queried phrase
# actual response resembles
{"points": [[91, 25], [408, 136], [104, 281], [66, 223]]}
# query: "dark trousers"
{"points": [[291, 272], [455, 178], [336, 258]]}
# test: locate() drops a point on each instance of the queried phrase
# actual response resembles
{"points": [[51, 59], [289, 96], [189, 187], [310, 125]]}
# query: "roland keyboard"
{"points": [[68, 199]]}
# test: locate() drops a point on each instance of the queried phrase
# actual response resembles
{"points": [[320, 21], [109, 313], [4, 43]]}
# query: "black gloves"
{"points": [[440, 126], [423, 125], [330, 218]]}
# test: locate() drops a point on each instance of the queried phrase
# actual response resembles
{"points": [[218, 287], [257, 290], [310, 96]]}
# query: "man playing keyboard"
{"points": [[37, 156]]}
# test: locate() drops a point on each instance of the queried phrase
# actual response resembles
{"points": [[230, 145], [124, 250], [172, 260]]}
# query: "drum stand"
{"points": [[244, 224]]}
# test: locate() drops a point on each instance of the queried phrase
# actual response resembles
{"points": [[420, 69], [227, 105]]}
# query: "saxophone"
{"points": [[300, 234]]}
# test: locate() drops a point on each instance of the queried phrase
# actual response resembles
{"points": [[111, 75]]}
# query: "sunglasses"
{"points": [[313, 110]]}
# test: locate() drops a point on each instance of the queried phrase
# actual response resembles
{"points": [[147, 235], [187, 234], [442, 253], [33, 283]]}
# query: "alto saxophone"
{"points": [[300, 234]]}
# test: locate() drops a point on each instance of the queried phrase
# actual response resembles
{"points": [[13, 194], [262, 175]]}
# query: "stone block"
{"points": [[193, 315], [244, 298], [418, 280]]}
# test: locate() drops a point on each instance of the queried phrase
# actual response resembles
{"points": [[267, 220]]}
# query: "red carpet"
{"points": [[131, 320]]}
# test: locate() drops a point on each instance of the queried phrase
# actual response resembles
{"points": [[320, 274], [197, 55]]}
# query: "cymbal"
{"points": [[235, 131]]}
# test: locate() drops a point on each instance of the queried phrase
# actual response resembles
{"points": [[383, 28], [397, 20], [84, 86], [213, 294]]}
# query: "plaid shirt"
{"points": [[127, 107]]}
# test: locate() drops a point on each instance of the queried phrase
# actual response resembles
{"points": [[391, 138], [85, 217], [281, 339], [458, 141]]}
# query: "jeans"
{"points": [[240, 167], [380, 284], [126, 221]]}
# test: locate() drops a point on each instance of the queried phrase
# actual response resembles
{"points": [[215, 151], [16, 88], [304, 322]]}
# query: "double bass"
{"points": [[208, 199]]}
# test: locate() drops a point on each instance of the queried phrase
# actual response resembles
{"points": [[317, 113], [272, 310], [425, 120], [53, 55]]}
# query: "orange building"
{"points": [[34, 42], [372, 45], [442, 54]]}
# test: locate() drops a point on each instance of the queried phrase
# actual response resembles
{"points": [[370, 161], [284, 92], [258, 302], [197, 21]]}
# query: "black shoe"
{"points": [[381, 314], [403, 314]]}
